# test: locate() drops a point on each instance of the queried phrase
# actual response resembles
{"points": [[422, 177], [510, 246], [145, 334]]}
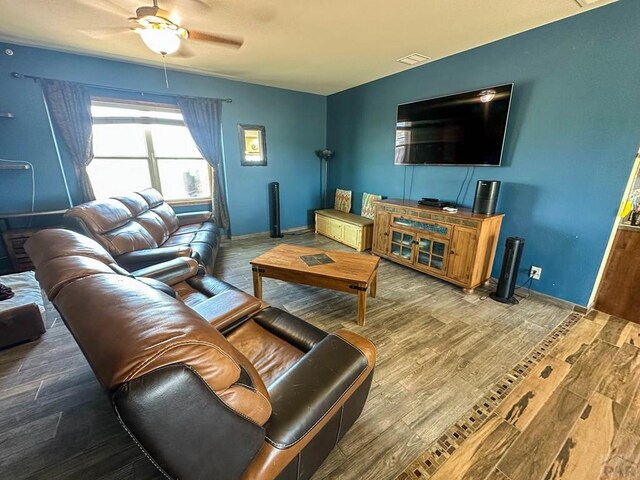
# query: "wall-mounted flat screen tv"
{"points": [[465, 129]]}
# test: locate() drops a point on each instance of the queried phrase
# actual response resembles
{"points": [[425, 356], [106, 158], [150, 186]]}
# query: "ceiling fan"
{"points": [[162, 35]]}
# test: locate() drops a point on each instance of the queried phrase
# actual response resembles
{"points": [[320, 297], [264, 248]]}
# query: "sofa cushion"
{"points": [[152, 196], [269, 354], [61, 243], [154, 224], [168, 216], [63, 270], [128, 238], [134, 202], [101, 216], [181, 239]]}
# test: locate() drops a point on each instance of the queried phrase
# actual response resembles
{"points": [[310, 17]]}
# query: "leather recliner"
{"points": [[141, 229], [264, 395]]}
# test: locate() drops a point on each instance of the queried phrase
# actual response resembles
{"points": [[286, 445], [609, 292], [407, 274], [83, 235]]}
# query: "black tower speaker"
{"points": [[486, 197], [509, 273], [274, 209]]}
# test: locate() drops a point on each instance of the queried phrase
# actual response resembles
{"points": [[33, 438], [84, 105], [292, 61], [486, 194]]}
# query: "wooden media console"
{"points": [[457, 247]]}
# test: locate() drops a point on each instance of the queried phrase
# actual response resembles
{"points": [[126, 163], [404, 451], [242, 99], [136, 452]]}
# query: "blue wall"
{"points": [[292, 136], [573, 133]]}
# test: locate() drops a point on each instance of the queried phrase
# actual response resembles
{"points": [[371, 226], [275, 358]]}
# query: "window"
{"points": [[137, 146]]}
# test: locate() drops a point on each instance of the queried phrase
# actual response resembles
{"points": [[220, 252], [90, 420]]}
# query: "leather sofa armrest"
{"points": [[151, 256], [322, 381], [170, 272], [290, 328], [193, 217], [158, 285], [227, 307]]}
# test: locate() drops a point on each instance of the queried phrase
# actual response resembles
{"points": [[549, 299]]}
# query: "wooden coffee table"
{"points": [[350, 272]]}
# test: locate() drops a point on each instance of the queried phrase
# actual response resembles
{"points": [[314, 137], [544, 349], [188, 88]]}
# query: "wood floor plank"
{"points": [[569, 348], [633, 336], [624, 460], [526, 400], [478, 455], [615, 331], [597, 317], [497, 475], [436, 368], [14, 441], [590, 368], [535, 449], [589, 444], [384, 459], [487, 368], [632, 418], [440, 406], [623, 376]]}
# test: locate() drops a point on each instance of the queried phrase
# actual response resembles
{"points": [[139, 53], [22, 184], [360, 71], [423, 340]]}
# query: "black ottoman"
{"points": [[21, 315], [20, 324]]}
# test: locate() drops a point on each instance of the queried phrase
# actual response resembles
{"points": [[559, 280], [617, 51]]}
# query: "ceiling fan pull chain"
{"points": [[164, 66]]}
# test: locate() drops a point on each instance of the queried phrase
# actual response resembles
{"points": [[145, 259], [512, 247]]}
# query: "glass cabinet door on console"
{"points": [[401, 245], [432, 254]]}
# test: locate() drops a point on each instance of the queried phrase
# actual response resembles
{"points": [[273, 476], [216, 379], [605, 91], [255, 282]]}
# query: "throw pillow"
{"points": [[343, 200], [368, 209]]}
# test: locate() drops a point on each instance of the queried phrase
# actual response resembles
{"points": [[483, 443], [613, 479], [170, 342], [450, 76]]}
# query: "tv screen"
{"points": [[465, 129]]}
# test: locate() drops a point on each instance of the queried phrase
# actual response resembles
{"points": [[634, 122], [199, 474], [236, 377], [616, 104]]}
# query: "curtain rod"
{"points": [[129, 90]]}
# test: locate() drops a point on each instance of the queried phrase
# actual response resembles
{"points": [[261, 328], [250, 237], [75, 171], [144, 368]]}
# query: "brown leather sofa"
{"points": [[209, 384], [141, 229]]}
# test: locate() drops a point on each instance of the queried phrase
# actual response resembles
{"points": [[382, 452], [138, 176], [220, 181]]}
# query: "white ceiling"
{"points": [[321, 46]]}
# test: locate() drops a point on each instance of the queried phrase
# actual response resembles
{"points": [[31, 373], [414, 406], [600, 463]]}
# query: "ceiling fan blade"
{"points": [[184, 51], [107, 6], [101, 33], [224, 40]]}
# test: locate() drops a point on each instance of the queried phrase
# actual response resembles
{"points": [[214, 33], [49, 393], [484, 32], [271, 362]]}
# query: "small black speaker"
{"points": [[486, 197], [274, 209], [509, 273]]}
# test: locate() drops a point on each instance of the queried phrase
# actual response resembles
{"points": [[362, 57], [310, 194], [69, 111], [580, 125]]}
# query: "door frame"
{"points": [[635, 171]]}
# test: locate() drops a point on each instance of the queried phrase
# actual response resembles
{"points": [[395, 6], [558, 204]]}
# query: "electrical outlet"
{"points": [[535, 272]]}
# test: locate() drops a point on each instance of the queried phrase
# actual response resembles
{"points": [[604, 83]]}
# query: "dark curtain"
{"points": [[70, 109], [202, 116]]}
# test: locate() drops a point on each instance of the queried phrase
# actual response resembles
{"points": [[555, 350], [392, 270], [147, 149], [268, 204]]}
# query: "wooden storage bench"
{"points": [[348, 228]]}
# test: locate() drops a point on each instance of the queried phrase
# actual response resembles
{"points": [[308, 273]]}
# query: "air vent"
{"points": [[414, 59]]}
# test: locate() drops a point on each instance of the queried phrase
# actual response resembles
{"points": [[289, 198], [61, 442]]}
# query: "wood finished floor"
{"points": [[438, 352], [576, 416]]}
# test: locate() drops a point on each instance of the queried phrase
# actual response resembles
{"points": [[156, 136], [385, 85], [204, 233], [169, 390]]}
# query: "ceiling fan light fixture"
{"points": [[160, 40]]}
